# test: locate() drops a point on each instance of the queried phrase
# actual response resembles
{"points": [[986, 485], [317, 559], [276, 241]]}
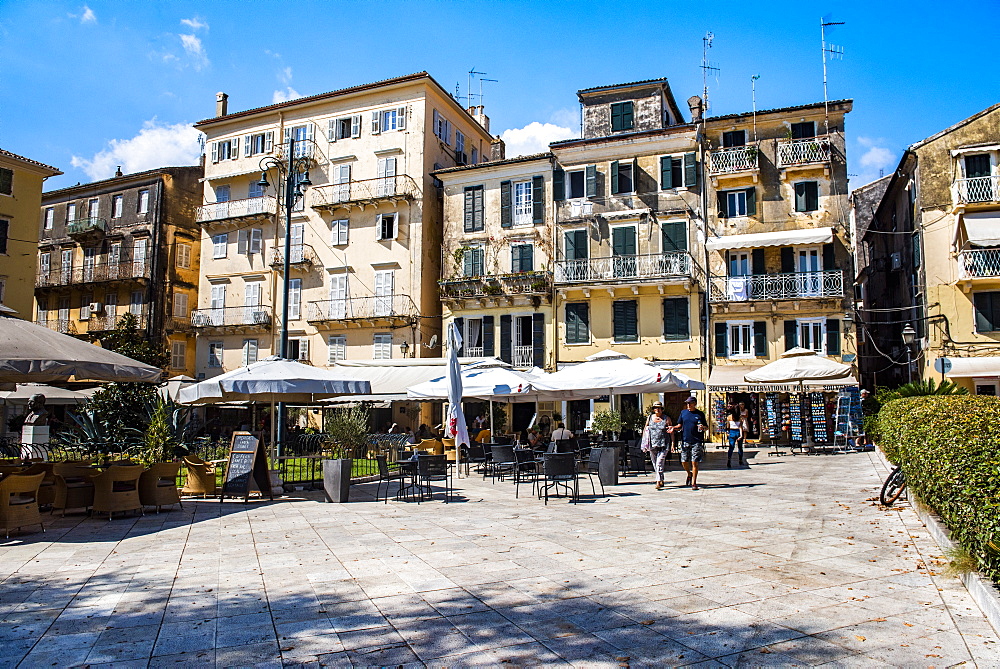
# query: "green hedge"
{"points": [[949, 448]]}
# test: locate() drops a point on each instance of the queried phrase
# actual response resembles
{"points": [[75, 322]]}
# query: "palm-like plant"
{"points": [[929, 387]]}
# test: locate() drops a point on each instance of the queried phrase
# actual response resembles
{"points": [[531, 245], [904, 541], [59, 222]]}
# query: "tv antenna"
{"points": [[458, 92], [836, 52], [481, 80], [753, 95], [706, 67], [472, 73]]}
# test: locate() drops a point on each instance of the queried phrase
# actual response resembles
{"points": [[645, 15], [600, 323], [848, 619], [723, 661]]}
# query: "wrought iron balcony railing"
{"points": [[792, 286], [253, 315], [473, 352], [83, 227], [733, 159], [367, 307], [251, 206], [126, 270], [304, 148], [63, 325], [522, 356], [979, 263], [803, 151], [302, 256], [108, 322], [398, 187], [978, 189], [619, 268], [523, 283]]}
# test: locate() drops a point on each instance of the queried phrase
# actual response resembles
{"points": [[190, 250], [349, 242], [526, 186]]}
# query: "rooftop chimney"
{"points": [[697, 108], [221, 104], [478, 112], [118, 172], [498, 149]]}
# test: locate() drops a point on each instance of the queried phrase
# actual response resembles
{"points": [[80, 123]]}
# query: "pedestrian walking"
{"points": [[735, 426], [693, 424], [656, 440]]}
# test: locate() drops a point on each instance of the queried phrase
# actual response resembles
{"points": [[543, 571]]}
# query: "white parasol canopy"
{"points": [[32, 353], [477, 381], [53, 395], [612, 373], [799, 365], [170, 388], [273, 380]]}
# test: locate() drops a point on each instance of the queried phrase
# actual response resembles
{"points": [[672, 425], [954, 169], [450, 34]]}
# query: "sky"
{"points": [[90, 86]]}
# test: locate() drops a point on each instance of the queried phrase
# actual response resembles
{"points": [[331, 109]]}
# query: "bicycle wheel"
{"points": [[893, 487]]}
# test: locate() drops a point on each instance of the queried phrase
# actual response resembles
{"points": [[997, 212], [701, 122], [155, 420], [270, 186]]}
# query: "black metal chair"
{"points": [[386, 475], [525, 468], [502, 463], [565, 446], [559, 470], [475, 455], [592, 467], [432, 469]]}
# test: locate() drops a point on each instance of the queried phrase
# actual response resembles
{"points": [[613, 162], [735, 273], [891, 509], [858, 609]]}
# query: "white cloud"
{"points": [[285, 75], [285, 95], [875, 160], [194, 23], [156, 145], [194, 48], [86, 15], [533, 138]]}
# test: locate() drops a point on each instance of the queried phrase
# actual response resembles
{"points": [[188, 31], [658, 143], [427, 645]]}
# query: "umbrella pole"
{"points": [[274, 446]]}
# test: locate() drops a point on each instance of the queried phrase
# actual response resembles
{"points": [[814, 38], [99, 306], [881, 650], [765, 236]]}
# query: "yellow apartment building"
{"points": [[125, 244], [365, 237], [21, 181]]}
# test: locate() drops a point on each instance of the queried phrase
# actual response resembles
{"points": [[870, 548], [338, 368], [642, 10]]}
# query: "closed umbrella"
{"points": [[32, 353], [455, 426]]}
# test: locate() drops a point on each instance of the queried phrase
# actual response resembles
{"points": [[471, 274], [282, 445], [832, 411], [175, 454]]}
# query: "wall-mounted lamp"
{"points": [[404, 348]]}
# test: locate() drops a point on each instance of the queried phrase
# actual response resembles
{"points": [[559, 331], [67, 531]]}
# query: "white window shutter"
{"points": [[356, 125], [294, 299], [390, 167], [331, 130], [241, 242], [310, 131], [246, 146], [401, 118], [234, 148], [215, 152], [376, 123], [269, 141], [344, 227], [378, 235], [394, 230], [256, 235], [304, 348]]}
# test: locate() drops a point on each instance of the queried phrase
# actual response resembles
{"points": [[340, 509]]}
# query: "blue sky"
{"points": [[88, 86]]}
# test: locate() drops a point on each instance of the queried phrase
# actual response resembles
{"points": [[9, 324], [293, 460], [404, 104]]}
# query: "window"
{"points": [[298, 348], [249, 351], [987, 311], [576, 245], [248, 242], [43, 309], [89, 262], [475, 156], [294, 299], [223, 193], [215, 354], [735, 203], [261, 142], [385, 224], [139, 256], [338, 296], [673, 236], [473, 209], [135, 306], [671, 172], [227, 149], [522, 258], [178, 355], [977, 165], [472, 344], [85, 300], [6, 181], [338, 231], [442, 128], [66, 265], [44, 264], [622, 116], [740, 339], [180, 304], [522, 203], [473, 258], [734, 138], [806, 196], [71, 212], [385, 289], [117, 206], [460, 156], [4, 231], [254, 189], [576, 184], [577, 323], [740, 263], [143, 201], [803, 130], [303, 136], [626, 324], [337, 350], [184, 256], [676, 325], [812, 334], [93, 208], [622, 173], [382, 347], [50, 217], [219, 244]]}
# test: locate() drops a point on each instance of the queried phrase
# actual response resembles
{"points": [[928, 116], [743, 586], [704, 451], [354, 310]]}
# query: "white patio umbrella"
{"points": [[169, 389], [32, 353], [611, 373], [455, 426], [480, 382], [799, 365]]}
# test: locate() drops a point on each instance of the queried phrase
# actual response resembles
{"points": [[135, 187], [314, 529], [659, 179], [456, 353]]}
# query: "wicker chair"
{"points": [[158, 485], [47, 490], [431, 447], [117, 489], [19, 501], [74, 486], [200, 478]]}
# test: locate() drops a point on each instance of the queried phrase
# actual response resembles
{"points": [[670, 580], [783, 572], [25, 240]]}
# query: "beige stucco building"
{"points": [[21, 181], [366, 235]]}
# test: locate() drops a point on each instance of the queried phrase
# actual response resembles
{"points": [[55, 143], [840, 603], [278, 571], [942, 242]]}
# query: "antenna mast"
{"points": [[835, 52], [706, 68], [753, 93], [472, 73]]}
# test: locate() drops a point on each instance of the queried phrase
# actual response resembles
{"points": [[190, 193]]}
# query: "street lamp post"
{"points": [[294, 187], [909, 335]]}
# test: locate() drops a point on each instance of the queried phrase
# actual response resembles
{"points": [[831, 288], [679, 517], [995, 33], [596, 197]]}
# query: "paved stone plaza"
{"points": [[786, 563]]}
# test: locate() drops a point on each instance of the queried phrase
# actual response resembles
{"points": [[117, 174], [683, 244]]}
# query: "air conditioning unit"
{"points": [[896, 260], [96, 307]]}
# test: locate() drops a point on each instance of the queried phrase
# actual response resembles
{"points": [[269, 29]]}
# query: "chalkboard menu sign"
{"points": [[247, 462]]}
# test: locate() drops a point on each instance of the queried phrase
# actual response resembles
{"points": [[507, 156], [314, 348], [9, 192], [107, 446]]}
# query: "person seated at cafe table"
{"points": [[561, 432], [533, 439], [484, 436]]}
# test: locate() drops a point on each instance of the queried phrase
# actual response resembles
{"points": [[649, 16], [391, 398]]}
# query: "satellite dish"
{"points": [[434, 342]]}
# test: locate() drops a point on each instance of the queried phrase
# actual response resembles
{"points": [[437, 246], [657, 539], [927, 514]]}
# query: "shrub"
{"points": [[949, 448], [609, 421], [348, 430]]}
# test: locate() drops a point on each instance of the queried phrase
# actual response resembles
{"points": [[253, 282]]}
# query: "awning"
{"points": [[729, 379], [983, 228], [784, 238], [968, 367]]}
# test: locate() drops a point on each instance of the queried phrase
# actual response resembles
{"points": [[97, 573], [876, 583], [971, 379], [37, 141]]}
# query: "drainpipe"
{"points": [[154, 316]]}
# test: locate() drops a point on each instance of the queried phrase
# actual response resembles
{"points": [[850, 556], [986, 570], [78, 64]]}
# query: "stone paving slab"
{"points": [[787, 563]]}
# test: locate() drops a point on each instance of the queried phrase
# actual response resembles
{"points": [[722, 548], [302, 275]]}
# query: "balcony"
{"points": [[674, 265], [733, 159], [795, 152], [251, 207], [364, 192], [302, 257], [254, 316], [978, 190], [87, 228], [382, 309], [979, 264], [792, 286], [304, 148], [537, 284], [522, 356], [126, 270], [107, 322], [63, 325]]}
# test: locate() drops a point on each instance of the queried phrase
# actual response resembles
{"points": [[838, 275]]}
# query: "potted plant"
{"points": [[608, 422], [348, 431]]}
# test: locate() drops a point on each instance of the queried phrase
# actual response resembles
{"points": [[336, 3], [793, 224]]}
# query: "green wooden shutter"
{"points": [[676, 318], [787, 260], [558, 185], [467, 262], [760, 339], [528, 258], [690, 170], [537, 203], [625, 325], [674, 236], [800, 197], [751, 201], [986, 320], [469, 209], [478, 208], [577, 323], [538, 340], [721, 340], [506, 340], [488, 336], [460, 326], [832, 336], [591, 180], [506, 217], [757, 262], [515, 257], [791, 335], [616, 117], [623, 241], [628, 119], [812, 196], [614, 177], [829, 260], [479, 262], [666, 172]]}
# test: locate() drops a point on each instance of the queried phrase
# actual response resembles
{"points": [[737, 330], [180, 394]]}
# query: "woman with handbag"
{"points": [[655, 441]]}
